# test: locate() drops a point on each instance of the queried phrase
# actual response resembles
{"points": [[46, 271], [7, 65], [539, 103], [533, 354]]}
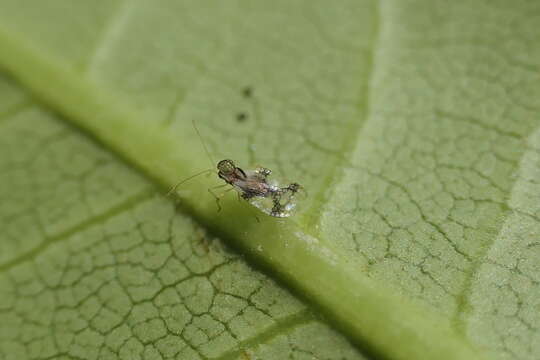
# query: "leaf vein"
{"points": [[31, 254]]}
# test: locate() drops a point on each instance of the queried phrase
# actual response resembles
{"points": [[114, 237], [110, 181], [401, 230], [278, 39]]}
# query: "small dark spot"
{"points": [[241, 117], [247, 92]]}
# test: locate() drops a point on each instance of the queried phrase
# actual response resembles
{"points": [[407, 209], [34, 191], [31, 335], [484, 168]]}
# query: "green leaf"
{"points": [[413, 126], [97, 264]]}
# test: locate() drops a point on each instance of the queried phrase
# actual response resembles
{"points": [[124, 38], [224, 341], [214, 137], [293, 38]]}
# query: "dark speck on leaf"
{"points": [[247, 92], [241, 117]]}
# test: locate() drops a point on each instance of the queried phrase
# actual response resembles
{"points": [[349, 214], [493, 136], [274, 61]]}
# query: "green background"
{"points": [[413, 125]]}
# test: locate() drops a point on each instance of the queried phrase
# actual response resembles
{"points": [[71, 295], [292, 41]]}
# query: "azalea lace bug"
{"points": [[252, 185]]}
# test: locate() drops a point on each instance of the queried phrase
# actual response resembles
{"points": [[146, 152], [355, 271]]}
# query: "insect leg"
{"points": [[292, 189], [246, 197], [175, 187], [251, 209], [276, 199], [218, 197]]}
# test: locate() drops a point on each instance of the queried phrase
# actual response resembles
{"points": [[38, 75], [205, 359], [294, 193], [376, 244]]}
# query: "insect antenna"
{"points": [[173, 189], [212, 162]]}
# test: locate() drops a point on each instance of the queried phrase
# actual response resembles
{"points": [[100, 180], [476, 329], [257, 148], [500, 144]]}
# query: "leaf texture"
{"points": [[124, 275], [413, 125]]}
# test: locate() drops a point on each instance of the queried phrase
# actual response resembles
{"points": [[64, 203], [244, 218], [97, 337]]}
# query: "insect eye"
{"points": [[226, 166]]}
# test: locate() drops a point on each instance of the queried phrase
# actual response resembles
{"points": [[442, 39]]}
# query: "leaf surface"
{"points": [[413, 125], [97, 264]]}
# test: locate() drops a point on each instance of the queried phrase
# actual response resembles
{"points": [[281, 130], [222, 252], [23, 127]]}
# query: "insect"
{"points": [[254, 186]]}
